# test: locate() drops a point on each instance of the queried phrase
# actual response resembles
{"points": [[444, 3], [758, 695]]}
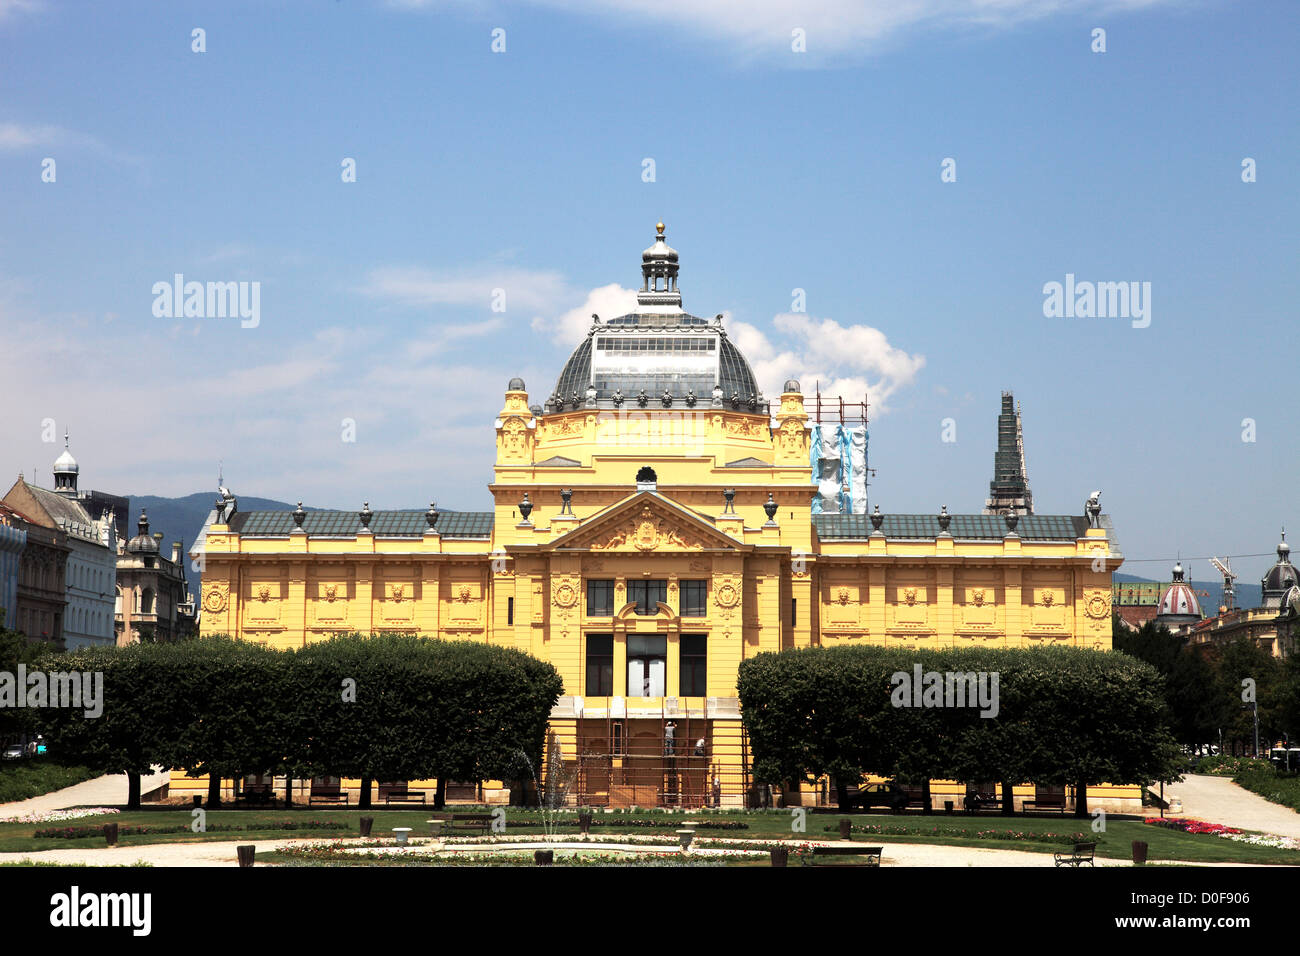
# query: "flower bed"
{"points": [[53, 816], [1188, 825], [616, 823], [335, 853], [77, 833], [1023, 836]]}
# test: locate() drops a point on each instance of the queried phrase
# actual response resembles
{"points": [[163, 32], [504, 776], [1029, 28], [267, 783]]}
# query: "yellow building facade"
{"points": [[646, 542]]}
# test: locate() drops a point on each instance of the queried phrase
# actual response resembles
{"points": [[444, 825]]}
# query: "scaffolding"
{"points": [[678, 757], [828, 410]]}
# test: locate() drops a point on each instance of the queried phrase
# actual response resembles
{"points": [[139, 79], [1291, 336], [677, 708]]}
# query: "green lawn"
{"points": [[1164, 844], [1265, 781]]}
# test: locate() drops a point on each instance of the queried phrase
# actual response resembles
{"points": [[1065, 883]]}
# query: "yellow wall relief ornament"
{"points": [[215, 600], [566, 595], [728, 595], [1098, 607]]}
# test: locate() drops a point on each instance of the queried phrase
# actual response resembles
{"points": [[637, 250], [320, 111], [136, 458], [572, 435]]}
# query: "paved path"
{"points": [[1219, 800], [158, 854], [106, 791], [223, 854]]}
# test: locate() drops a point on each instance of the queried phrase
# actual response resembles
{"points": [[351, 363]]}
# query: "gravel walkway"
{"points": [[106, 791], [1219, 800]]}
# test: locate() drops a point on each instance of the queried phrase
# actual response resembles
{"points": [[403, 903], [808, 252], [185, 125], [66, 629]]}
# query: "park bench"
{"points": [[479, 822], [981, 797], [256, 792], [1046, 800], [327, 790], [915, 796], [1082, 853], [396, 792], [871, 853]]}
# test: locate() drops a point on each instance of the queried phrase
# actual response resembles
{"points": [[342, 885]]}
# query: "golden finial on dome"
{"points": [[659, 227]]}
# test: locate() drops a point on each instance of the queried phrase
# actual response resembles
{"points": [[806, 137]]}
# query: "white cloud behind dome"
{"points": [[571, 327], [848, 361]]}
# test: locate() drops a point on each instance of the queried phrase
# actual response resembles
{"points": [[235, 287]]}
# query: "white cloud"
{"points": [[273, 414], [16, 136], [849, 361], [831, 26], [231, 250], [541, 294], [607, 301], [526, 290], [10, 7]]}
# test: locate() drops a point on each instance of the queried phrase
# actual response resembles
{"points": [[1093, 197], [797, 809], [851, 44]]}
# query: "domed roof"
{"points": [[660, 249], [1179, 601], [516, 385], [65, 464], [671, 355], [1282, 576], [142, 543], [656, 362]]}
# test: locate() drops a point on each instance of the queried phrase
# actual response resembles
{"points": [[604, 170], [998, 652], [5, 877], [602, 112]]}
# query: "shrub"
{"points": [[1065, 716], [1226, 765]]}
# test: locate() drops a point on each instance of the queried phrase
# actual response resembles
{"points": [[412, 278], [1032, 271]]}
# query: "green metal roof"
{"points": [[409, 524], [986, 527]]}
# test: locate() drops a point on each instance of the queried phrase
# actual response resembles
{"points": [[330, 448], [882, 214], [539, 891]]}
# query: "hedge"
{"points": [[1064, 716]]}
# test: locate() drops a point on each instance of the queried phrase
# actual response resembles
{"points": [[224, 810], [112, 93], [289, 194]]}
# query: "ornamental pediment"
{"points": [[643, 524]]}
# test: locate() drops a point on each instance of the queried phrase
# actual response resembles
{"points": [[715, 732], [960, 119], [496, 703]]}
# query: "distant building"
{"points": [[1137, 602], [89, 580], [40, 597], [1009, 490], [152, 601], [13, 539], [1274, 626], [97, 502], [1179, 607]]}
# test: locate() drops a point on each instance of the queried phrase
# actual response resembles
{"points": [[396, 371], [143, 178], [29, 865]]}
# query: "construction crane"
{"points": [[1225, 568]]}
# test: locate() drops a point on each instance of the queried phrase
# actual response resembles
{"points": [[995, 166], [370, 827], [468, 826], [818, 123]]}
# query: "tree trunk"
{"points": [[214, 790], [1008, 799], [927, 803], [841, 795], [440, 794], [288, 791], [1081, 799], [363, 803], [133, 791]]}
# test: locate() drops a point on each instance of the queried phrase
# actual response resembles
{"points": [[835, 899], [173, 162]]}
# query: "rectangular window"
{"points": [[794, 612], [693, 665], [510, 610], [694, 598], [600, 665], [600, 598], [647, 595], [646, 659]]}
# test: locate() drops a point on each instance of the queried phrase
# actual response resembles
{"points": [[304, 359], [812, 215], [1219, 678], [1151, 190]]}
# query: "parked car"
{"points": [[888, 794], [13, 752]]}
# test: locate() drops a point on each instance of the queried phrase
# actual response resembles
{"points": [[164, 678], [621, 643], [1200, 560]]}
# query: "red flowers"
{"points": [[1188, 825]]}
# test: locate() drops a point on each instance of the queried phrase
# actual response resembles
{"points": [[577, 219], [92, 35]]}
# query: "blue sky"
{"points": [[774, 170]]}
